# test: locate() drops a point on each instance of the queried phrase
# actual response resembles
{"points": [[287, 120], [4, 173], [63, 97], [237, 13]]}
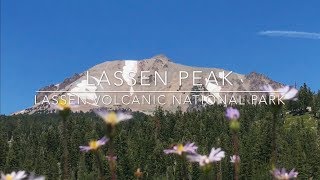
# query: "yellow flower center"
{"points": [[180, 148], [8, 177], [63, 103], [112, 118], [93, 145]]}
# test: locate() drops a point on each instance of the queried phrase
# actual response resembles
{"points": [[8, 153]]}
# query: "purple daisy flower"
{"points": [[214, 156], [232, 113], [180, 148], [14, 175], [113, 118], [94, 144], [283, 174]]}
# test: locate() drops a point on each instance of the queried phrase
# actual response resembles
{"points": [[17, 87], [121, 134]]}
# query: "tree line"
{"points": [[35, 143]]}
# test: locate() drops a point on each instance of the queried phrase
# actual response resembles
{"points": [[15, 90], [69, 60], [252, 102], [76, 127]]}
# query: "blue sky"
{"points": [[43, 42]]}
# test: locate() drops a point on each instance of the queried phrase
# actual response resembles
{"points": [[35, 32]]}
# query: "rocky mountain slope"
{"points": [[141, 85]]}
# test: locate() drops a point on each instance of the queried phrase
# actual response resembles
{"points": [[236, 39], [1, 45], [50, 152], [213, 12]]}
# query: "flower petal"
{"points": [[103, 141], [84, 148], [101, 113], [123, 116], [20, 175], [169, 151], [216, 154], [291, 94]]}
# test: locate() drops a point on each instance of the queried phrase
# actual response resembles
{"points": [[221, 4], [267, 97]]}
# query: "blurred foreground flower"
{"points": [[63, 104], [14, 176], [283, 93], [64, 107], [180, 148], [283, 174], [112, 118], [94, 145], [234, 159], [232, 113], [214, 156], [286, 92]]}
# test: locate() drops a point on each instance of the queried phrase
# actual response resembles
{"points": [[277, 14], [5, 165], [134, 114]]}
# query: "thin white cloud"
{"points": [[291, 34]]}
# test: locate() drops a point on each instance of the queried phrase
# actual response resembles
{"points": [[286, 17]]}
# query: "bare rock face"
{"points": [[258, 80], [56, 87], [142, 85]]}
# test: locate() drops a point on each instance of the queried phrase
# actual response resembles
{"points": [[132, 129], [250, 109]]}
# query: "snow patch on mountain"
{"points": [[129, 71]]}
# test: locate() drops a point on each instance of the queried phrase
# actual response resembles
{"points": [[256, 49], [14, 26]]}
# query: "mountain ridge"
{"points": [[159, 63]]}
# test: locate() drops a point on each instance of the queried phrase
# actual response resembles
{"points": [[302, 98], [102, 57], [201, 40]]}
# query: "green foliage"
{"points": [[33, 143], [316, 105], [305, 96]]}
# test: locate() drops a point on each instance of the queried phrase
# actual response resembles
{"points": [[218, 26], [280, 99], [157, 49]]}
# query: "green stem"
{"points": [[184, 168], [219, 176], [112, 161], [100, 166], [236, 153]]}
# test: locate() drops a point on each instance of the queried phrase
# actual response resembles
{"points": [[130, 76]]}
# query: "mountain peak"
{"points": [[144, 95], [161, 57], [257, 75], [253, 73]]}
